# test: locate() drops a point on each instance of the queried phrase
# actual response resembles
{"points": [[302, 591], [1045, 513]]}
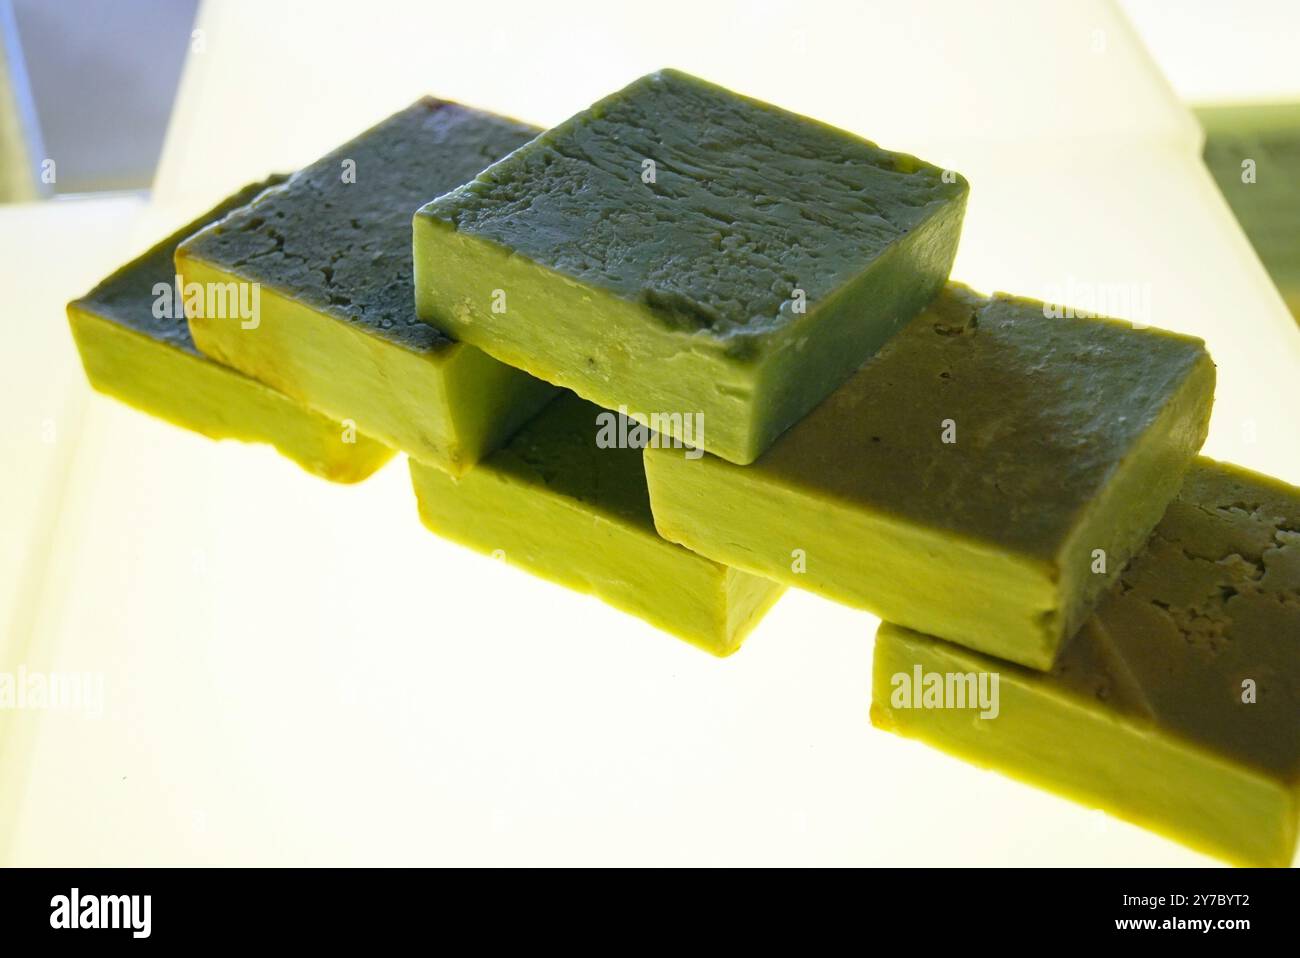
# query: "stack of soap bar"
{"points": [[1253, 151], [682, 251], [1177, 706], [557, 504], [331, 250], [982, 478], [135, 345]]}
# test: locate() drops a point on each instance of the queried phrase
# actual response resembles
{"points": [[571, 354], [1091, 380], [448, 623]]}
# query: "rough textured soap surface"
{"points": [[1212, 601], [1177, 703], [680, 248], [557, 503], [151, 362], [558, 451], [127, 296], [330, 251], [961, 480], [760, 202], [1043, 410], [344, 249]]}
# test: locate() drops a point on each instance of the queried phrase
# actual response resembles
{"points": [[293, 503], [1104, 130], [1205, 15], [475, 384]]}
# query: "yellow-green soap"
{"points": [[330, 251], [685, 251], [135, 346], [1177, 706], [556, 503], [983, 477]]}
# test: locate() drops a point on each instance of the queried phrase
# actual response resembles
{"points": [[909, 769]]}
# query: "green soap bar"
{"points": [[144, 356], [962, 480], [1253, 152], [687, 252], [331, 252], [1177, 706], [557, 504]]}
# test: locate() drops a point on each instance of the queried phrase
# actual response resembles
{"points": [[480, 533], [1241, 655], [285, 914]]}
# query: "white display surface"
{"points": [[296, 672], [1218, 52], [49, 253]]}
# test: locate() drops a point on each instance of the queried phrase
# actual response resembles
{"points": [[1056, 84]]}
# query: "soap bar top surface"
{"points": [[337, 235], [1043, 409], [748, 203], [557, 450], [145, 356], [1211, 602], [128, 296]]}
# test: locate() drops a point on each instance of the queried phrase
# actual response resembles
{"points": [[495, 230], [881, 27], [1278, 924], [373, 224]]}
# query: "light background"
{"points": [[299, 673]]}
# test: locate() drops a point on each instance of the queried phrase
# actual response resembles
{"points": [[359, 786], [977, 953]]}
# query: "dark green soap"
{"points": [[558, 451], [759, 201], [556, 501], [330, 254], [145, 356], [963, 481], [128, 295], [680, 248], [1177, 705], [344, 248]]}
